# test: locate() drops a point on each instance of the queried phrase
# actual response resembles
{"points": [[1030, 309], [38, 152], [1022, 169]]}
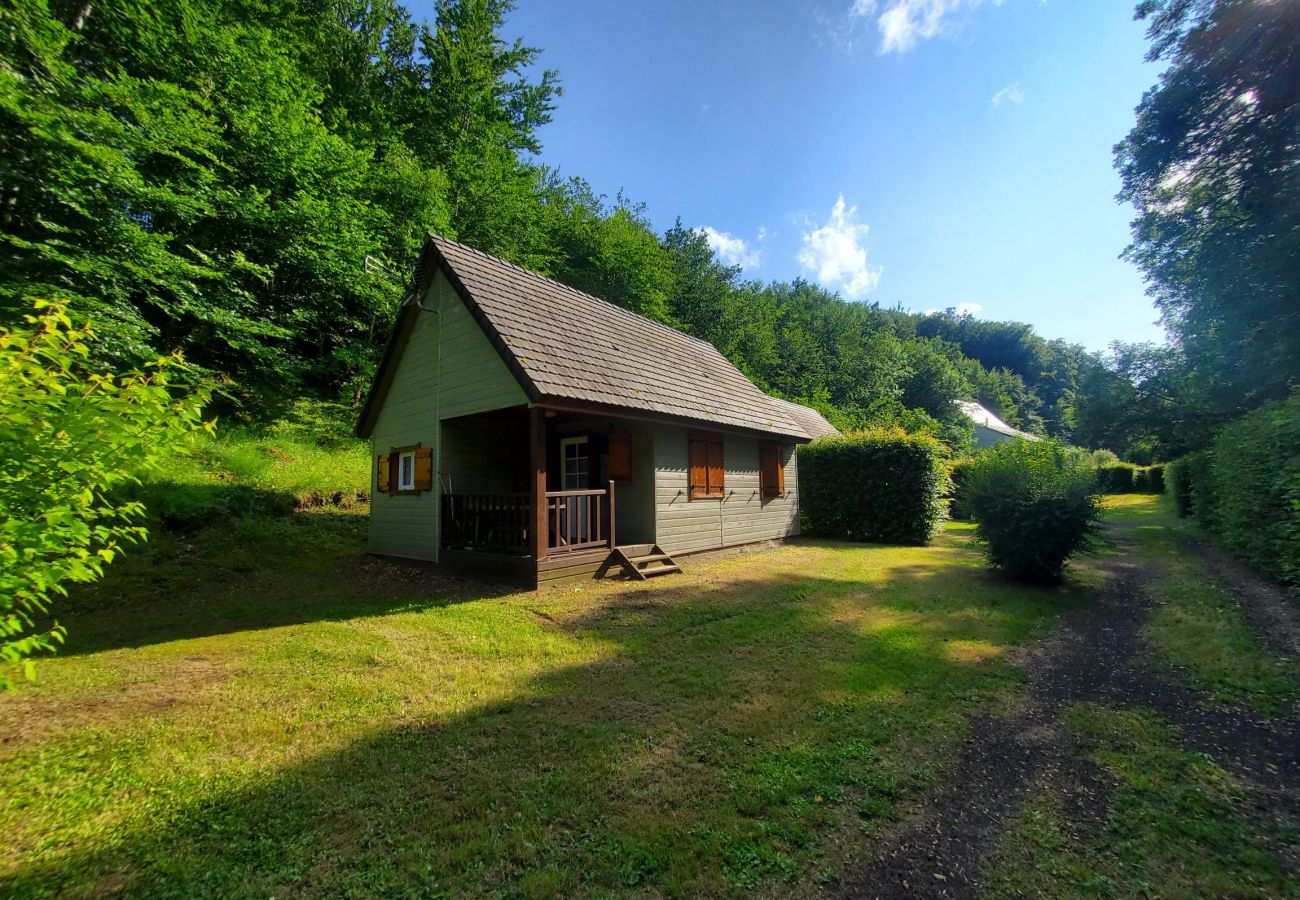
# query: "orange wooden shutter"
{"points": [[383, 481], [620, 457], [716, 480], [771, 474], [768, 463], [699, 465], [424, 468]]}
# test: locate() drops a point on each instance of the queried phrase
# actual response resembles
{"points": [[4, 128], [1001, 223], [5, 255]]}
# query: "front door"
{"points": [[575, 462]]}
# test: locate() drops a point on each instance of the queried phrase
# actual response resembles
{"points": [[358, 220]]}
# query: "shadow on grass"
{"points": [[725, 733], [249, 573]]}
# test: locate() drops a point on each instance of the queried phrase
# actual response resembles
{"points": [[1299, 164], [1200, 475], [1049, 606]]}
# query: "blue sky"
{"points": [[928, 153]]}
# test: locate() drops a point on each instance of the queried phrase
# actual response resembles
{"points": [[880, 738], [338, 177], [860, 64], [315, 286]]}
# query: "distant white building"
{"points": [[989, 429]]}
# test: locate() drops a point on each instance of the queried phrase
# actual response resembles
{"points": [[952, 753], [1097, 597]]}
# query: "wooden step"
{"points": [[666, 569], [639, 561], [649, 558], [631, 550]]}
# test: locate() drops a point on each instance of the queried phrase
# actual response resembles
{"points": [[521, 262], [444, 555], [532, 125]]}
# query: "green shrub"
{"points": [[1034, 507], [958, 508], [1116, 478], [1149, 480], [881, 485], [1180, 480], [1254, 486], [1103, 457], [70, 438], [1204, 502]]}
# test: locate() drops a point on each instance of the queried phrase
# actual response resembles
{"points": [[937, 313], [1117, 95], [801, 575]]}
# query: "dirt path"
{"points": [[1097, 656]]}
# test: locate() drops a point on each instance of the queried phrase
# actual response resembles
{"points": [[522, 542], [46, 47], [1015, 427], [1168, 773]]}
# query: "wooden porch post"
{"points": [[537, 453], [612, 543]]}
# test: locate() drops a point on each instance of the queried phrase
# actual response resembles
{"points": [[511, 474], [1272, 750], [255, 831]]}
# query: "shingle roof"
{"points": [[809, 419], [571, 345]]}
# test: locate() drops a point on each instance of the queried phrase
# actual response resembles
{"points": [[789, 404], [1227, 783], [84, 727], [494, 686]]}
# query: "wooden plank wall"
{"points": [[741, 517], [472, 379]]}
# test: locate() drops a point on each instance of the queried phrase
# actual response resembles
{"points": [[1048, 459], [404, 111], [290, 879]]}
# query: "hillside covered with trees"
{"points": [[249, 183]]}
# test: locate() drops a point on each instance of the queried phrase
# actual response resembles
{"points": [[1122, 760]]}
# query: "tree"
{"points": [[72, 435], [1211, 170]]}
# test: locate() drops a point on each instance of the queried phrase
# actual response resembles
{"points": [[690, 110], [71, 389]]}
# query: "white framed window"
{"points": [[406, 471]]}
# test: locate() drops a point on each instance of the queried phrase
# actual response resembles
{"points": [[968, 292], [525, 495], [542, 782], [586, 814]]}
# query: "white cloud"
{"points": [[834, 253], [1012, 93], [762, 232], [900, 24], [732, 250]]}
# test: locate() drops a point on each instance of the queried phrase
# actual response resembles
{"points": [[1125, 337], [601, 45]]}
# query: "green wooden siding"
{"points": [[742, 517], [449, 368]]}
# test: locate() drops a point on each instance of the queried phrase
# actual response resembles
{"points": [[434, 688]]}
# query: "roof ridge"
{"points": [[622, 310]]}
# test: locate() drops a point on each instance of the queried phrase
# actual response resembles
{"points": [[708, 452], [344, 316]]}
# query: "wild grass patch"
{"points": [[1176, 825]]}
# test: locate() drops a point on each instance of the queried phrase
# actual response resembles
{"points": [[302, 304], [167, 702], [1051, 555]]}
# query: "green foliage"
{"points": [[1149, 480], [1254, 477], [71, 436], [1102, 457], [1126, 478], [1180, 480], [882, 485], [1205, 502], [959, 505], [251, 188], [241, 472], [1034, 507], [1210, 169], [1116, 478]]}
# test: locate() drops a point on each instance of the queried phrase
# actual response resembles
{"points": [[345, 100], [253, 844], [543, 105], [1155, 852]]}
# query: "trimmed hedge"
{"points": [[1180, 479], [1149, 480], [1254, 488], [958, 508], [1035, 507], [1116, 478], [1245, 488], [1126, 478], [882, 485]]}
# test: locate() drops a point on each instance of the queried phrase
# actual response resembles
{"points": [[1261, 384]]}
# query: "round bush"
{"points": [[1033, 506]]}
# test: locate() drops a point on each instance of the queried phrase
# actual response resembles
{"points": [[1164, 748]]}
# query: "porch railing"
{"points": [[580, 520], [486, 521], [575, 520]]}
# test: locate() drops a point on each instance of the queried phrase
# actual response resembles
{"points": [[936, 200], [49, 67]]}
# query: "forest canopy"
{"points": [[249, 182]]}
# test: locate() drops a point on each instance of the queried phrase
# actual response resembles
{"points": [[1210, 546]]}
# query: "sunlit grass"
{"points": [[1176, 825], [1197, 624], [263, 710]]}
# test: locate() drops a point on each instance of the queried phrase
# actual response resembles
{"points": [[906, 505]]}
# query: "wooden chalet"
{"points": [[527, 432]]}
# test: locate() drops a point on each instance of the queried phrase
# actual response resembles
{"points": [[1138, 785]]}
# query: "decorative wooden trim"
{"points": [[395, 468]]}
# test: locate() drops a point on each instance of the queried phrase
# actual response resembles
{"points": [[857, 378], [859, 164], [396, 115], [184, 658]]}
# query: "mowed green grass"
{"points": [[1172, 823], [260, 709], [1197, 625]]}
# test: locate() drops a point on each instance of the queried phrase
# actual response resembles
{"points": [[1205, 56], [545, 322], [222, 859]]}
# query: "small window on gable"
{"points": [[771, 473], [406, 471]]}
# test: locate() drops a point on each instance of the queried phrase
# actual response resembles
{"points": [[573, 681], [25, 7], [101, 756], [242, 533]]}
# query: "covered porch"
{"points": [[532, 495]]}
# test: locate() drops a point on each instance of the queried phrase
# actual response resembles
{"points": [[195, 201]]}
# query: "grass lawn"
{"points": [[1197, 626], [1174, 824], [259, 708]]}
